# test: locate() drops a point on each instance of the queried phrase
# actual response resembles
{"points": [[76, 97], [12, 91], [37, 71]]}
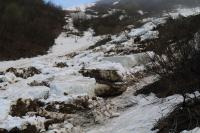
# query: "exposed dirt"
{"points": [[24, 106], [24, 72], [37, 83], [61, 65], [29, 129]]}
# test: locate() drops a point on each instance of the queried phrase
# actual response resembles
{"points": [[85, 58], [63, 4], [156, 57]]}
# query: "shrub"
{"points": [[177, 58]]}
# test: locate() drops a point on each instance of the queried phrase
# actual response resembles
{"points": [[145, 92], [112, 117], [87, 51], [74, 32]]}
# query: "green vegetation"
{"points": [[28, 27]]}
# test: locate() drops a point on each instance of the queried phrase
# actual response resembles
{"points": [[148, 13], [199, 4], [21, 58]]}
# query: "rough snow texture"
{"points": [[67, 84]]}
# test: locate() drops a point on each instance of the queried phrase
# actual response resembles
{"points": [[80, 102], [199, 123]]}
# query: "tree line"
{"points": [[28, 27]]}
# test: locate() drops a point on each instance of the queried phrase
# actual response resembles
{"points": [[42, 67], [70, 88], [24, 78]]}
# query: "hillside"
{"points": [[28, 27], [119, 66]]}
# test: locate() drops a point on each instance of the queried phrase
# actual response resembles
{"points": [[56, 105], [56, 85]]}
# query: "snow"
{"points": [[4, 109], [72, 44], [67, 83], [25, 92], [130, 61], [140, 12], [142, 115], [184, 12], [196, 130], [107, 65], [82, 7], [116, 2], [73, 85], [141, 31]]}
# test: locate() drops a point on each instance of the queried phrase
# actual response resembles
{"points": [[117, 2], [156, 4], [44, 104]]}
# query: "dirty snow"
{"points": [[67, 83]]}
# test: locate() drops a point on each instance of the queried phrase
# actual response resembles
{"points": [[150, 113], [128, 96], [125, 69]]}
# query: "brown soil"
{"points": [[24, 72]]}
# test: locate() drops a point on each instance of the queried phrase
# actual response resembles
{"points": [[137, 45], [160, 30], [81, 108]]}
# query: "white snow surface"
{"points": [[196, 130], [140, 118]]}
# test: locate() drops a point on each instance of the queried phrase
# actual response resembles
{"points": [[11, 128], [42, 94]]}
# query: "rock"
{"points": [[37, 83], [2, 73], [3, 130], [61, 65], [102, 75], [108, 90], [73, 85], [109, 82]]}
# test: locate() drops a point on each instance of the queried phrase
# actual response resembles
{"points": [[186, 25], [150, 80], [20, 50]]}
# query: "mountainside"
{"points": [[28, 27], [119, 66]]}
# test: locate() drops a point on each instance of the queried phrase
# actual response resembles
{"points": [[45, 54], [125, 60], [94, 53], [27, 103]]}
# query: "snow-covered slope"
{"points": [[61, 87]]}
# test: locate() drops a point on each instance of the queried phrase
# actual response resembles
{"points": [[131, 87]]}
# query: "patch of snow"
{"points": [[140, 12], [73, 85], [130, 61], [196, 130], [116, 2], [4, 109], [25, 92], [141, 117], [184, 12], [143, 30], [18, 122], [150, 35], [72, 44], [107, 65], [81, 7]]}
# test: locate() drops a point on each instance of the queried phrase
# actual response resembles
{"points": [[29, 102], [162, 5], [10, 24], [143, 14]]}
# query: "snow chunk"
{"points": [[4, 109], [184, 12], [196, 130], [116, 2], [141, 31], [18, 122], [26, 92], [129, 61], [140, 12], [73, 85]]}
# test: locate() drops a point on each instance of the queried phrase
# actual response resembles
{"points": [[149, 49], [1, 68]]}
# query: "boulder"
{"points": [[102, 75], [109, 90]]}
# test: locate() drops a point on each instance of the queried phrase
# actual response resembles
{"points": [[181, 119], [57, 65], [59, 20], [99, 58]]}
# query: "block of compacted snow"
{"points": [[129, 61], [4, 109], [26, 92], [76, 85]]}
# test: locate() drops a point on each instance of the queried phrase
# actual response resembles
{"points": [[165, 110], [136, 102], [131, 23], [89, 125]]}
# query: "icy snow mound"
{"points": [[130, 61], [4, 109], [73, 85], [25, 92]]}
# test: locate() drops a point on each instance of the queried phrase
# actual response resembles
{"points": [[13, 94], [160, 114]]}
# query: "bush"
{"points": [[28, 27], [177, 58]]}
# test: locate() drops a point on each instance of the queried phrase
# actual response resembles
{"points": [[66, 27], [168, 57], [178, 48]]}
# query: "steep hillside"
{"points": [[28, 27]]}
